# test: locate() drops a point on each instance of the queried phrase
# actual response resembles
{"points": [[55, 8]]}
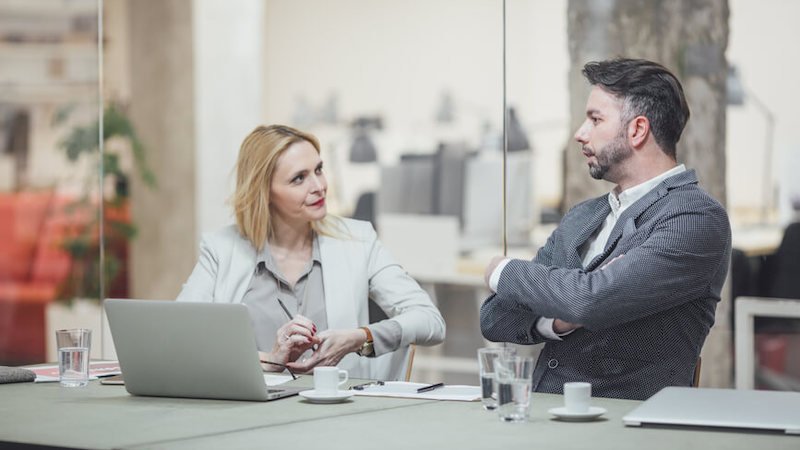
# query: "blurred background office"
{"points": [[407, 99]]}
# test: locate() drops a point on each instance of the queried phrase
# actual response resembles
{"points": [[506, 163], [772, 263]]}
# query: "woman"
{"points": [[286, 257]]}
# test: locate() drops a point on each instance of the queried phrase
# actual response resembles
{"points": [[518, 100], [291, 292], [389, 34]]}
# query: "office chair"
{"points": [[412, 349], [696, 377]]}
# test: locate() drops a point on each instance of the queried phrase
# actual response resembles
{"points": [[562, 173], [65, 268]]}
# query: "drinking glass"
{"points": [[514, 379], [486, 363], [73, 356]]}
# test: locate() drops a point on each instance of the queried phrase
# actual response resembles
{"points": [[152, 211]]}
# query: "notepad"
{"points": [[404, 389]]}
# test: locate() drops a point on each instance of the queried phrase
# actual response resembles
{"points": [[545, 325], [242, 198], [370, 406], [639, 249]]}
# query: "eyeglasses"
{"points": [[294, 377]]}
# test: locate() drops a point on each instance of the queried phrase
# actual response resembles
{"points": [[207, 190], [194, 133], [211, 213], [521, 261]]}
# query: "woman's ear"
{"points": [[638, 130]]}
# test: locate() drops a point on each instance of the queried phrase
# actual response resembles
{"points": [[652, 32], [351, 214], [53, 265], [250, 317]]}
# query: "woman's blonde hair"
{"points": [[255, 167]]}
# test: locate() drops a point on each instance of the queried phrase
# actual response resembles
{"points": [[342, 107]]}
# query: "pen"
{"points": [[429, 387], [288, 314]]}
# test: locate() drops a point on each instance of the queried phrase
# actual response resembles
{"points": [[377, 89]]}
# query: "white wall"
{"points": [[763, 45], [229, 77]]}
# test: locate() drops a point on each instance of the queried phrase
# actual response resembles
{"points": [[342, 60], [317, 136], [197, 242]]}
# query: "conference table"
{"points": [[101, 416]]}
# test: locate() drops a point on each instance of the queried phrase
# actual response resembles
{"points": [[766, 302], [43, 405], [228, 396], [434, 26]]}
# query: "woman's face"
{"points": [[298, 187]]}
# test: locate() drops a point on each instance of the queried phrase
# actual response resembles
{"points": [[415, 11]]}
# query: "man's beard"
{"points": [[610, 155]]}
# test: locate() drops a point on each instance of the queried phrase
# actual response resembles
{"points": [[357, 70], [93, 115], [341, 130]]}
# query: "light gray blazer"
{"points": [[349, 268], [645, 316]]}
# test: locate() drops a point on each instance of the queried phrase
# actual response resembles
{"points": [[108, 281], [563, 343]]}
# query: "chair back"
{"points": [[412, 349], [696, 377]]}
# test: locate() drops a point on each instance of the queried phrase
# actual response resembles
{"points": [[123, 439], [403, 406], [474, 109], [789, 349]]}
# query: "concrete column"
{"points": [[163, 111]]}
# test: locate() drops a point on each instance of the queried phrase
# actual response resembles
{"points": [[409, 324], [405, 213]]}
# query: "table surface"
{"points": [[101, 416]]}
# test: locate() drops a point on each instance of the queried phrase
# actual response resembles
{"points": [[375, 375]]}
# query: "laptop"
{"points": [[762, 410], [193, 350]]}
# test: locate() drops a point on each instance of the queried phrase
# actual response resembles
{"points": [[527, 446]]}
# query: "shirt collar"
{"points": [[629, 196], [264, 256]]}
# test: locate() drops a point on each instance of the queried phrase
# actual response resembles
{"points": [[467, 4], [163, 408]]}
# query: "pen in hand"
{"points": [[288, 314], [429, 387]]}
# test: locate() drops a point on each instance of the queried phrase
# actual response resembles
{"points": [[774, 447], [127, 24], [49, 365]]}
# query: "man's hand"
{"points": [[487, 275], [605, 266], [561, 327]]}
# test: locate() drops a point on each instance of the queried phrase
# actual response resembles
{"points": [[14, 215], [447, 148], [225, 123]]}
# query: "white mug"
{"points": [[327, 379], [577, 397]]}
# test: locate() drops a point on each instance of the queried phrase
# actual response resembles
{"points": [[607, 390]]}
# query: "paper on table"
{"points": [[47, 374], [404, 389], [274, 379]]}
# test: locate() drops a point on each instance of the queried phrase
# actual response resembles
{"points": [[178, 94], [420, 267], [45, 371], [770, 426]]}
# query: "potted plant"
{"points": [[84, 228]]}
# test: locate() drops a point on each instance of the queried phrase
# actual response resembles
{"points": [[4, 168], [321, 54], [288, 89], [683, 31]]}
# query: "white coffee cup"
{"points": [[577, 397], [327, 379]]}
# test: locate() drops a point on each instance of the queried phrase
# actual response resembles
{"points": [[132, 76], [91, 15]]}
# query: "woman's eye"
{"points": [[298, 179], [318, 171]]}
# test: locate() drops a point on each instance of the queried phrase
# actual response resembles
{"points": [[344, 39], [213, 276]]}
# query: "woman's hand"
{"points": [[291, 340], [335, 345]]}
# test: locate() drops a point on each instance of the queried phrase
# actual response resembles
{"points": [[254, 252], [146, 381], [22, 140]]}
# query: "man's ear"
{"points": [[638, 131]]}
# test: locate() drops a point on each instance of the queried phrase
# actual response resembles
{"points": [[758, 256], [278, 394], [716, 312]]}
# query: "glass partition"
{"points": [[49, 187]]}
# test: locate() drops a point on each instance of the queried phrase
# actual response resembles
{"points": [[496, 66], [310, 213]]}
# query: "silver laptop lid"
{"points": [[182, 349], [765, 410]]}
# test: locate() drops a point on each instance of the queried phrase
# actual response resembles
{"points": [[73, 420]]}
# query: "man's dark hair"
{"points": [[646, 89]]}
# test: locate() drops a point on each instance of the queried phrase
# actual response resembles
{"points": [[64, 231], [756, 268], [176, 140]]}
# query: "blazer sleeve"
{"points": [[679, 261], [200, 285], [401, 297], [507, 321]]}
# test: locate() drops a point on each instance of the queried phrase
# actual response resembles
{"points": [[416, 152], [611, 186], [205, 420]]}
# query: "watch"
{"points": [[367, 349]]}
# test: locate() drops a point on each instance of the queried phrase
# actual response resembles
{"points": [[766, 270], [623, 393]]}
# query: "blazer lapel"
{"points": [[593, 221], [627, 220], [338, 279]]}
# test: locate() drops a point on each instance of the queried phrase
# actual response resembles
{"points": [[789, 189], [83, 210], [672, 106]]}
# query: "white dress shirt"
{"points": [[597, 242]]}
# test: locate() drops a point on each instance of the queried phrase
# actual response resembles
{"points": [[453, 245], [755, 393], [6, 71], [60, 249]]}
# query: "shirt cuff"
{"points": [[544, 326], [495, 278]]}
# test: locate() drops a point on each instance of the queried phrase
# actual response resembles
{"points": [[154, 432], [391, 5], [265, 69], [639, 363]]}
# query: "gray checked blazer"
{"points": [[644, 317]]}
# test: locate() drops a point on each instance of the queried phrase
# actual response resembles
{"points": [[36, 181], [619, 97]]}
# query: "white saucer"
{"points": [[336, 397], [562, 414]]}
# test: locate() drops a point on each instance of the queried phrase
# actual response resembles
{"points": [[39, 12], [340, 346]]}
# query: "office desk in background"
{"points": [[107, 417]]}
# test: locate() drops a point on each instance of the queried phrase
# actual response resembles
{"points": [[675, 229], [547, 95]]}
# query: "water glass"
{"points": [[514, 379], [486, 362], [73, 356]]}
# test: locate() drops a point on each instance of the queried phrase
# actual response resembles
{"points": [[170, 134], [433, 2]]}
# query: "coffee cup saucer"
{"points": [[326, 397], [561, 413]]}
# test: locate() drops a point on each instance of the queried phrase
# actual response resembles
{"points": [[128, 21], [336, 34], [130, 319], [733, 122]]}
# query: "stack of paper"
{"points": [[404, 389], [97, 369]]}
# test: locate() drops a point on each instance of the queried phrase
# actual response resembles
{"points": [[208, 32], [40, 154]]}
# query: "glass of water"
{"points": [[486, 362], [73, 356], [514, 378]]}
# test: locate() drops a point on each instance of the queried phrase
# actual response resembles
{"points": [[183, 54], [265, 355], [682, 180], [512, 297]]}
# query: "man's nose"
{"points": [[582, 134]]}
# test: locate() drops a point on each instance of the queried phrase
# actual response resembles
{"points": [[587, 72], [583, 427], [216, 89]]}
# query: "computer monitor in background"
{"points": [[457, 182], [483, 216]]}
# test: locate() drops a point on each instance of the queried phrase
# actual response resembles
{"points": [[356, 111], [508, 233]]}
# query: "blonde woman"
{"points": [[285, 256]]}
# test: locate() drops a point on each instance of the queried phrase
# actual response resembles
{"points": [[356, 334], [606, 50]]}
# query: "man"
{"points": [[624, 291]]}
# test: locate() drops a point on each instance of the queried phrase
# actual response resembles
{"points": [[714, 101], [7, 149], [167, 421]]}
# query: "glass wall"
{"points": [[49, 182], [407, 99]]}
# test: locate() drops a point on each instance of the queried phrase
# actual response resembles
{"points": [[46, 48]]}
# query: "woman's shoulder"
{"points": [[224, 235], [344, 228]]}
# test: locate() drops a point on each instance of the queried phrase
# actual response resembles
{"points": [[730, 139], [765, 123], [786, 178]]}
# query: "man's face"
{"points": [[602, 136]]}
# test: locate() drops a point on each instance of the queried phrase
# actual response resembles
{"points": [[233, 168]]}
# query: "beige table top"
{"points": [[107, 417]]}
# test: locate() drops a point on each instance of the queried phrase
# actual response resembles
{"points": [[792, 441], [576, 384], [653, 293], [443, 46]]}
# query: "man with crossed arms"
{"points": [[625, 289]]}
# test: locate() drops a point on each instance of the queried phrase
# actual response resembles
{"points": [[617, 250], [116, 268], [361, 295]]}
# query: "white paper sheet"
{"points": [[404, 389]]}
